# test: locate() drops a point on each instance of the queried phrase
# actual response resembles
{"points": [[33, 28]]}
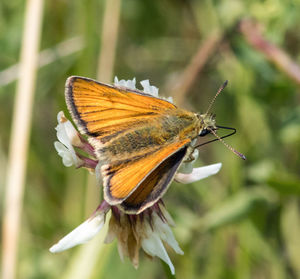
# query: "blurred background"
{"points": [[243, 222]]}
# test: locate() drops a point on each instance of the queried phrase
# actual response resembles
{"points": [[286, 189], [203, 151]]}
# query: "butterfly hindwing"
{"points": [[155, 185], [122, 178]]}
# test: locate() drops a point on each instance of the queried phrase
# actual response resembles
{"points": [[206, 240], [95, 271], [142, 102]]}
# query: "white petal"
{"points": [[65, 153], [188, 167], [153, 246], [68, 155], [72, 134], [83, 233], [116, 80], [59, 116], [166, 234], [147, 88], [125, 83], [167, 216], [198, 173], [169, 99], [66, 132], [131, 83]]}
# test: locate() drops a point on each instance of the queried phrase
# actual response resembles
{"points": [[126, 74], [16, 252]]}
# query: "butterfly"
{"points": [[140, 140]]}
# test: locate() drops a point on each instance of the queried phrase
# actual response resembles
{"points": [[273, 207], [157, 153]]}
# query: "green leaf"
{"points": [[290, 227], [285, 183], [236, 208]]}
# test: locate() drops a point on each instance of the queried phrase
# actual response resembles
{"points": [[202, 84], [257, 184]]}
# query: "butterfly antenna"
{"points": [[228, 146], [219, 91]]}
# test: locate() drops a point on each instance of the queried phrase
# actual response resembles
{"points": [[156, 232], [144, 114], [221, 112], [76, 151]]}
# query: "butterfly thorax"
{"points": [[153, 133]]}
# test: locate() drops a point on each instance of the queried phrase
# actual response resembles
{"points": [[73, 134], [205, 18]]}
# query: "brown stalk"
{"points": [[47, 56], [20, 132], [273, 53], [191, 72]]}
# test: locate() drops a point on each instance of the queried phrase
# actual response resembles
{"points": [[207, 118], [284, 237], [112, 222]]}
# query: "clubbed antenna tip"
{"points": [[242, 156]]}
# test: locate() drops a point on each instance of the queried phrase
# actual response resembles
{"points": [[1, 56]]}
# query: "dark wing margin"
{"points": [[94, 105], [155, 185], [69, 96]]}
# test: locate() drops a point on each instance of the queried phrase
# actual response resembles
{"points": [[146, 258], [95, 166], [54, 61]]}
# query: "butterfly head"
{"points": [[208, 123]]}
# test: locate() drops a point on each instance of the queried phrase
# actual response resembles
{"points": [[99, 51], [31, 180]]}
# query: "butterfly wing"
{"points": [[155, 184], [102, 111], [141, 175]]}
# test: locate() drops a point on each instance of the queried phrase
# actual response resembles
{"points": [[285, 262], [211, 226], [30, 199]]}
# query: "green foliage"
{"points": [[241, 223]]}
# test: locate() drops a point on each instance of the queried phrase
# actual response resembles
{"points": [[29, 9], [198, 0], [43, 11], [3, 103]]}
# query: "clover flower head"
{"points": [[148, 230]]}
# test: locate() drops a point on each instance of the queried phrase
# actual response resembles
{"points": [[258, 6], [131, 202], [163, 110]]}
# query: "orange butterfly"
{"points": [[141, 140]]}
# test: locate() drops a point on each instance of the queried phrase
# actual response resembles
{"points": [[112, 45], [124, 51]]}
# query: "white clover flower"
{"points": [[149, 230], [68, 137]]}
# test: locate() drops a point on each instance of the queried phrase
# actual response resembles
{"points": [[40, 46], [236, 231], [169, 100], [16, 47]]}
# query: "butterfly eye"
{"points": [[204, 132]]}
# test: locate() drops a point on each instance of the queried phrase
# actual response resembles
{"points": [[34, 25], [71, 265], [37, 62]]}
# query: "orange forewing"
{"points": [[100, 110], [122, 178]]}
